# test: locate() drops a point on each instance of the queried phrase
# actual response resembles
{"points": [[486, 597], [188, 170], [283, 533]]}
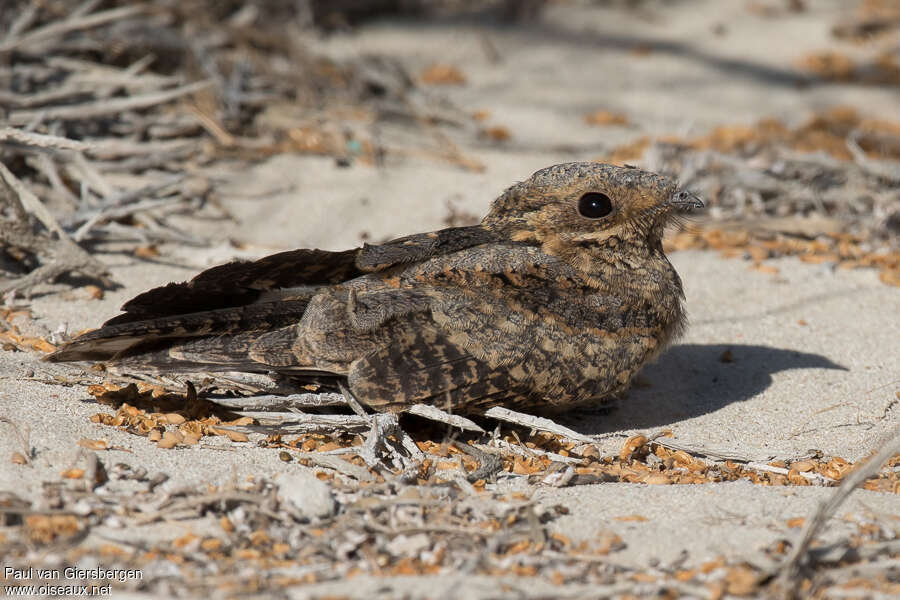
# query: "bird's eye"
{"points": [[594, 205]]}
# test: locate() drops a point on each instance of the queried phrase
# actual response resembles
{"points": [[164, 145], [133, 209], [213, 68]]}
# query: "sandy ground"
{"points": [[815, 354]]}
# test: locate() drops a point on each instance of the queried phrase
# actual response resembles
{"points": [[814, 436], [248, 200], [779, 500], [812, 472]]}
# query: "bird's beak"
{"points": [[685, 200]]}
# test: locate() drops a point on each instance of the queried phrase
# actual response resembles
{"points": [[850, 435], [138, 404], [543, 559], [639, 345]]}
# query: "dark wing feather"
{"points": [[243, 316], [241, 282]]}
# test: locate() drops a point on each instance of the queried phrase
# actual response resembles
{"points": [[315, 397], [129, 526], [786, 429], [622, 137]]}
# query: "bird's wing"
{"points": [[240, 283], [499, 300], [422, 365], [248, 296], [470, 347], [453, 330]]}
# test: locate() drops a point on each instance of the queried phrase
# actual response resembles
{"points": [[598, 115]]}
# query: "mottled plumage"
{"points": [[556, 299]]}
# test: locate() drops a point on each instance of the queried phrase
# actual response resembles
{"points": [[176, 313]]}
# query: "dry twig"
{"points": [[793, 564], [537, 423]]}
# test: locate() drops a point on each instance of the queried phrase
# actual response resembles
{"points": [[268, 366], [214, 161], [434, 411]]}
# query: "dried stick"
{"points": [[23, 21], [530, 452], [38, 140], [101, 108], [117, 212], [73, 24], [30, 202], [160, 151], [273, 402], [782, 471], [434, 413], [352, 402], [702, 451], [539, 423], [199, 502], [336, 463], [67, 255], [45, 165], [750, 463], [300, 423], [792, 566]]}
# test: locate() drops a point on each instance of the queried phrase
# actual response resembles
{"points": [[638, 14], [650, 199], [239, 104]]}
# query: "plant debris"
{"points": [[114, 114], [442, 518], [539, 455], [827, 190]]}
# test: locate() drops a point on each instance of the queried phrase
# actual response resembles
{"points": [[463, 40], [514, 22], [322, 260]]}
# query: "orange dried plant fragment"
{"points": [[441, 74], [828, 64], [150, 251], [93, 444], [44, 529], [631, 445], [16, 341], [497, 133], [637, 518], [625, 153], [604, 118]]}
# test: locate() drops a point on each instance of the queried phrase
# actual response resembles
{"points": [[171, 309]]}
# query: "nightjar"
{"points": [[555, 300]]}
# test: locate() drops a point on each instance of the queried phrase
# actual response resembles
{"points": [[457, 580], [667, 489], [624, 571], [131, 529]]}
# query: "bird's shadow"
{"points": [[695, 379]]}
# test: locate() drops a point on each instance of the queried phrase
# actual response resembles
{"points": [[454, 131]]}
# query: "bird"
{"points": [[554, 301]]}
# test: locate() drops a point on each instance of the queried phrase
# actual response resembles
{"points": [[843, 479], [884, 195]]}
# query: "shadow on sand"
{"points": [[691, 380]]}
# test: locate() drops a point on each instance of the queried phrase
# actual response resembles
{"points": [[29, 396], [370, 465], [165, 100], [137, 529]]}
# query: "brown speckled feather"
{"points": [[555, 300]]}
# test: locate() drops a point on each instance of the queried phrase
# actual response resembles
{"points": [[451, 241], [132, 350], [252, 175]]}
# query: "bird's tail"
{"points": [[119, 341]]}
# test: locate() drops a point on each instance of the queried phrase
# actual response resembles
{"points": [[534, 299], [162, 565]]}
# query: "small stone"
{"points": [[307, 494], [408, 545]]}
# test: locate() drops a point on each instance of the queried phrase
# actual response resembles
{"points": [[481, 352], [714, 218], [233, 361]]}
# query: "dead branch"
{"points": [[435, 414], [537, 423], [74, 23], [793, 564], [102, 108]]}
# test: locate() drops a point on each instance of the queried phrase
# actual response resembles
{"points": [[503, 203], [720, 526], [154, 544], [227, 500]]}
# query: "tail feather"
{"points": [[116, 341]]}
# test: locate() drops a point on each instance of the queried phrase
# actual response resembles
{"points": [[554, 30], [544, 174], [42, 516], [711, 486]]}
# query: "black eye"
{"points": [[594, 205]]}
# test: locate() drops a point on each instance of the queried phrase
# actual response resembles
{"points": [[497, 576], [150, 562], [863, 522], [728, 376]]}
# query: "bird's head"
{"points": [[589, 204]]}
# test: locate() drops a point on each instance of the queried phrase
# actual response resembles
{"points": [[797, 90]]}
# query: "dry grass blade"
{"points": [[22, 437]]}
